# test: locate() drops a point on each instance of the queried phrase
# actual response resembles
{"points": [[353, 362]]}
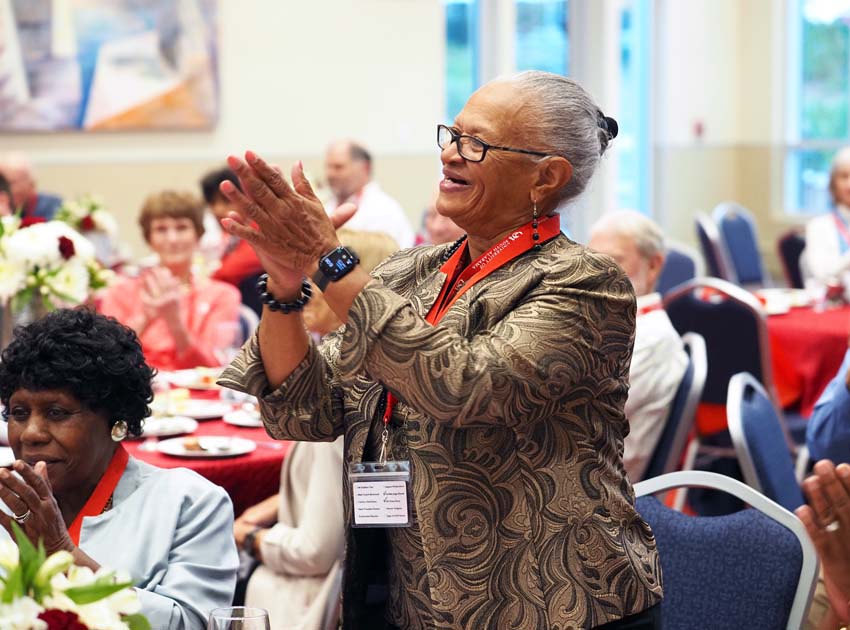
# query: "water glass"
{"points": [[239, 618]]}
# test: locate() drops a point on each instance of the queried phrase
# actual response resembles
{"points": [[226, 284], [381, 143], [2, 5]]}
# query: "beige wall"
{"points": [[297, 74], [720, 62], [294, 75]]}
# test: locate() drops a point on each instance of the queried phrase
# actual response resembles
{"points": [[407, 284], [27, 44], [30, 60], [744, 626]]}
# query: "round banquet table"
{"points": [[806, 349], [248, 479]]}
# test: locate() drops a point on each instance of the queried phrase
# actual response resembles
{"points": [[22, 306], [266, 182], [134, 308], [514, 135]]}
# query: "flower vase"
{"points": [[33, 310]]}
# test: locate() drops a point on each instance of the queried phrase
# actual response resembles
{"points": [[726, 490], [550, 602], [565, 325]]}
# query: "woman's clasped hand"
{"points": [[29, 496]]}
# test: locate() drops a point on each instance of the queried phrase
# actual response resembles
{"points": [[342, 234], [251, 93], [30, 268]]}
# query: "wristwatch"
{"points": [[248, 543], [334, 265]]}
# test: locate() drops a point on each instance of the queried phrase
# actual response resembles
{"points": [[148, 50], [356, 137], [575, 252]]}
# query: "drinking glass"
{"points": [[239, 618], [228, 341]]}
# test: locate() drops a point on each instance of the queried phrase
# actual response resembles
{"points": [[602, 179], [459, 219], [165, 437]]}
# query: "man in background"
{"points": [[17, 170], [659, 360], [348, 170], [238, 263]]}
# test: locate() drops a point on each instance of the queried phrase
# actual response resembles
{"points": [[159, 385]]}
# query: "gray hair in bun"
{"points": [[566, 122]]}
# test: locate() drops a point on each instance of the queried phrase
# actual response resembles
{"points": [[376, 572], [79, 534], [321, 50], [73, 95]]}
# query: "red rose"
{"points": [[87, 223], [61, 620], [28, 221], [66, 247]]}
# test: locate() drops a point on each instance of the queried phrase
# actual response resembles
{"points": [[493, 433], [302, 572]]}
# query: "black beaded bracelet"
{"points": [[284, 307]]}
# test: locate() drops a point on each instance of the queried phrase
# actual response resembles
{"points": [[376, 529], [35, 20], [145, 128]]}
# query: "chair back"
{"points": [[734, 326], [679, 267], [754, 569], [668, 452], [248, 290], [761, 442], [715, 257], [248, 322], [739, 240], [790, 247]]}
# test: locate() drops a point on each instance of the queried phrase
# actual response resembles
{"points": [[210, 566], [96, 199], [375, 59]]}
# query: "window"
{"points": [[818, 95], [633, 149], [542, 42], [461, 53]]}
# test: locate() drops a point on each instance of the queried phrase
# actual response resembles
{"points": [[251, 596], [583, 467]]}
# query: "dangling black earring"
{"points": [[535, 236]]}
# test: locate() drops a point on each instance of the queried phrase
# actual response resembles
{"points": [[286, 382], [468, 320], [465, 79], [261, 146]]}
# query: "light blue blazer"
{"points": [[172, 531]]}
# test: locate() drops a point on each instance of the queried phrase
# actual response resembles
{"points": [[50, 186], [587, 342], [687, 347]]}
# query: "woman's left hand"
{"points": [[292, 227], [32, 495]]}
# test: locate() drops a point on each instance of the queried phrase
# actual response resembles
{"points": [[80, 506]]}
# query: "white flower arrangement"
{"points": [[46, 260], [51, 593], [88, 214]]}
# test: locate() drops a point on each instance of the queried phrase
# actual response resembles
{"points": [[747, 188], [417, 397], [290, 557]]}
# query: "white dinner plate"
{"points": [[7, 457], [168, 426], [243, 418], [207, 446], [197, 378], [199, 409]]}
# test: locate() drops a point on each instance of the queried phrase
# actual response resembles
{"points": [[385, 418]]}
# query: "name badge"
{"points": [[380, 494]]}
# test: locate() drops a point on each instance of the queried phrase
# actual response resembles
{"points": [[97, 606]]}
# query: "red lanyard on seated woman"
{"points": [[103, 491], [459, 281]]}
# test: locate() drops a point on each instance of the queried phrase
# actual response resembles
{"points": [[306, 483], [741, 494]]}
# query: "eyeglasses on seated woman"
{"points": [[73, 385]]}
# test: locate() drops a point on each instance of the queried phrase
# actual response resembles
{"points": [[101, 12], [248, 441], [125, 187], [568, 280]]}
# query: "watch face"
{"points": [[337, 263]]}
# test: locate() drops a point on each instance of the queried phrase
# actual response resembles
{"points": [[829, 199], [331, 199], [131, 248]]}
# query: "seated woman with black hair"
{"points": [[73, 385]]}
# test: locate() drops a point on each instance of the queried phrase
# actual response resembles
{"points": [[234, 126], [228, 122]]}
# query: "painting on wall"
{"points": [[108, 65]]}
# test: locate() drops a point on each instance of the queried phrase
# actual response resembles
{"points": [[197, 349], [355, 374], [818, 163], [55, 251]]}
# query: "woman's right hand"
{"points": [[31, 498], [286, 225]]}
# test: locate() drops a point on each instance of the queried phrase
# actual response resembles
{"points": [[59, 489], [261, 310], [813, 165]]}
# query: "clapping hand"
{"points": [[160, 294], [827, 520], [286, 225], [33, 506]]}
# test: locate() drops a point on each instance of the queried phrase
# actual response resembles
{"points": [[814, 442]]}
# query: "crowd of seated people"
{"points": [[174, 317]]}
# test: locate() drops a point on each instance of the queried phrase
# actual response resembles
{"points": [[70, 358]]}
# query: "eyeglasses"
{"points": [[473, 149]]}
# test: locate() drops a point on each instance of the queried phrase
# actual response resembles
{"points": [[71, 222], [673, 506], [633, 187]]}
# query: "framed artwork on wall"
{"points": [[97, 65]]}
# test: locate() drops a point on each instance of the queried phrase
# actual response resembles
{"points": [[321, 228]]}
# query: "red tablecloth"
{"points": [[248, 479], [806, 350]]}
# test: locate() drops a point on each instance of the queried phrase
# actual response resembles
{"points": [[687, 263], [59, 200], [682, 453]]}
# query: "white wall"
{"points": [[294, 75]]}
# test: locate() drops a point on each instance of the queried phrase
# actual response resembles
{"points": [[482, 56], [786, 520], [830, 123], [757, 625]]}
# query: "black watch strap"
{"points": [[320, 280], [248, 543]]}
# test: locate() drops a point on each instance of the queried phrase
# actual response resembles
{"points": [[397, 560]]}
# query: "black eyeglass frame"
{"points": [[485, 146]]}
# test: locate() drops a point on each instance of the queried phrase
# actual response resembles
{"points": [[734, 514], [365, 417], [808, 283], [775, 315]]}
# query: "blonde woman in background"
{"points": [[178, 317], [372, 247], [298, 534]]}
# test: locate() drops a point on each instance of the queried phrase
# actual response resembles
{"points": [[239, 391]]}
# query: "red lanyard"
{"points": [[655, 306], [459, 281], [842, 228], [102, 492]]}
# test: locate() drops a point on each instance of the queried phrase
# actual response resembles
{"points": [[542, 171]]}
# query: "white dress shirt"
{"points": [[378, 212], [823, 258], [659, 362]]}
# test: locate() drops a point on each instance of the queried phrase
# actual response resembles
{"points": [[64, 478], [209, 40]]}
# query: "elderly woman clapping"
{"points": [[73, 385], [487, 377]]}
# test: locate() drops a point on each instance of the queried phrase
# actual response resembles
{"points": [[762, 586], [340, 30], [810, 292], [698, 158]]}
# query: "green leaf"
{"points": [[95, 592], [14, 586], [136, 622]]}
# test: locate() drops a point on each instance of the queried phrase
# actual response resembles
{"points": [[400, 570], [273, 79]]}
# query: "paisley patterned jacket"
{"points": [[511, 410]]}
